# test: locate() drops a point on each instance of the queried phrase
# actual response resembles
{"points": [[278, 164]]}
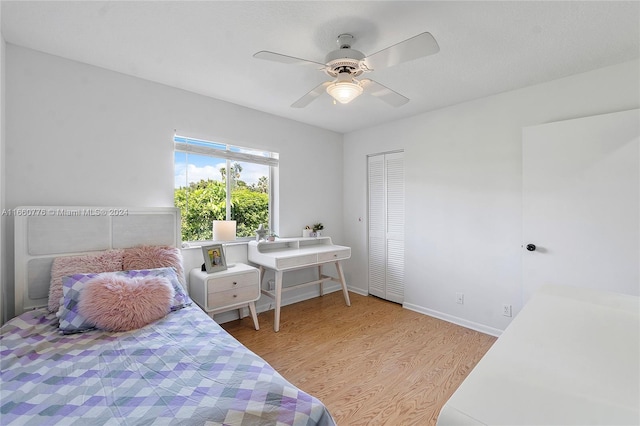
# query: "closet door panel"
{"points": [[395, 271], [377, 267], [386, 226], [377, 229], [395, 195], [394, 173]]}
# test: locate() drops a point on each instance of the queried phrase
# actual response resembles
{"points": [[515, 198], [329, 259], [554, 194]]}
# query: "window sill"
{"points": [[200, 244]]}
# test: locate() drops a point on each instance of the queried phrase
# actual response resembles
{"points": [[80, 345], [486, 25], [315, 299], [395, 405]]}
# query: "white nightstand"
{"points": [[234, 288]]}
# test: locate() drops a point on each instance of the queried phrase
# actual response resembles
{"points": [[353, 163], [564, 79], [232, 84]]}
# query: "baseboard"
{"points": [[358, 291], [454, 320], [267, 304]]}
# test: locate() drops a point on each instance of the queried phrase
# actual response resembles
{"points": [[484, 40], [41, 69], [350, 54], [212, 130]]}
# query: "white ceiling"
{"points": [[206, 47]]}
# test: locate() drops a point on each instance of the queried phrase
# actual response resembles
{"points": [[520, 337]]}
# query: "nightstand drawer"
{"points": [[233, 296], [334, 255], [231, 282]]}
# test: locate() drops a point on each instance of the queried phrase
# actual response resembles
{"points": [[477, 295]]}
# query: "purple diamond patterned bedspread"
{"points": [[184, 369]]}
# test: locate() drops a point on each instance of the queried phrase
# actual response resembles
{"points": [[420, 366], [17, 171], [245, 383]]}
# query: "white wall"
{"points": [[463, 171], [77, 134]]}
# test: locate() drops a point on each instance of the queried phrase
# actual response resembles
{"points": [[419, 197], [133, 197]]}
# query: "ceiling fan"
{"points": [[345, 64]]}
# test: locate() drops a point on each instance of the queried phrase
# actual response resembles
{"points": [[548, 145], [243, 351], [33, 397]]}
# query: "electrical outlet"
{"points": [[506, 310], [460, 298]]}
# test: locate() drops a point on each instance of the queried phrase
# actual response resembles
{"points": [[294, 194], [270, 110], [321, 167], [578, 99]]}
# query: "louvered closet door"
{"points": [[386, 226], [377, 227]]}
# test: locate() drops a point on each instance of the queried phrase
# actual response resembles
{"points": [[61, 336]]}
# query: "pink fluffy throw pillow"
{"points": [[118, 303], [151, 257], [104, 261]]}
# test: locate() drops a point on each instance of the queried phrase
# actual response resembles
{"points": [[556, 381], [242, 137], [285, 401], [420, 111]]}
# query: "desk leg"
{"points": [[320, 277], [254, 315], [276, 321], [343, 283], [261, 275]]}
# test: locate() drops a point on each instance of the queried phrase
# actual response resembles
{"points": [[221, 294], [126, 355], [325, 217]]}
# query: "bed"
{"points": [[570, 357], [180, 369]]}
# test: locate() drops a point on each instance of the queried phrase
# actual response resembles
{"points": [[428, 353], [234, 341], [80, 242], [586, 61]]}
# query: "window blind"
{"points": [[228, 152]]}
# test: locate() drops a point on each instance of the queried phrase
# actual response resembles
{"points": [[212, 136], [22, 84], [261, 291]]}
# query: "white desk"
{"points": [[286, 254]]}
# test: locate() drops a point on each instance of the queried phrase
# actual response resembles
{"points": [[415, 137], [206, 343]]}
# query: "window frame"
{"points": [[231, 153]]}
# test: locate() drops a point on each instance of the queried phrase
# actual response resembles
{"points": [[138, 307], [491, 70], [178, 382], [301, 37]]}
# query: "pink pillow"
{"points": [[105, 261], [152, 257], [119, 303]]}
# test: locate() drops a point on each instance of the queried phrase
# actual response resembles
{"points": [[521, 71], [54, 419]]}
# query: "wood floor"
{"points": [[373, 363]]}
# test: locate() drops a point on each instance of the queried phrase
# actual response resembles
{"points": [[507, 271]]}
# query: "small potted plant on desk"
{"points": [[317, 229], [271, 237]]}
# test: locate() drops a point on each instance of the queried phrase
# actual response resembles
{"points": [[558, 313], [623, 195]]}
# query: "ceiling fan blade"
{"points": [[384, 93], [277, 57], [309, 97], [416, 47]]}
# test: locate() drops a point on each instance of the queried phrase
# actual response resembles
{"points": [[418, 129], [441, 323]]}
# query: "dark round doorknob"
{"points": [[531, 247]]}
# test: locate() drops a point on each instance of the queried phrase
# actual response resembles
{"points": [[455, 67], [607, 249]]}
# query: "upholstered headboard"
{"points": [[43, 233]]}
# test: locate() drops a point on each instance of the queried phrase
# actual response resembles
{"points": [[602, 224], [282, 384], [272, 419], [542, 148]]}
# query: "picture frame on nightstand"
{"points": [[214, 260]]}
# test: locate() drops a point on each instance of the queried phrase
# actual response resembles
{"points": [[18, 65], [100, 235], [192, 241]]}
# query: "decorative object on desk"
{"points": [[224, 230], [306, 232], [214, 258], [261, 233], [317, 228], [272, 237]]}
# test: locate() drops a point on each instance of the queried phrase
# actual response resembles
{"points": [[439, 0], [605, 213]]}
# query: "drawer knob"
{"points": [[335, 255], [235, 283], [235, 295]]}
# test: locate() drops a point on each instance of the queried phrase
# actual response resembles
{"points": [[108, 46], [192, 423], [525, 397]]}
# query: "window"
{"points": [[216, 181]]}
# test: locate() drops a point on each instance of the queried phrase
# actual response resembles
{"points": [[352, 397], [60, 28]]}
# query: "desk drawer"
{"points": [[231, 297], [292, 262], [334, 255], [231, 282]]}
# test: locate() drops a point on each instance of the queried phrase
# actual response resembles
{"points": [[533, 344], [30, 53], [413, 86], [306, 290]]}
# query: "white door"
{"points": [[581, 197], [386, 226]]}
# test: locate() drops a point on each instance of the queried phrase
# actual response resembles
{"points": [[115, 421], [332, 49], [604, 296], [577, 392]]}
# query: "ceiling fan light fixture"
{"points": [[344, 91]]}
